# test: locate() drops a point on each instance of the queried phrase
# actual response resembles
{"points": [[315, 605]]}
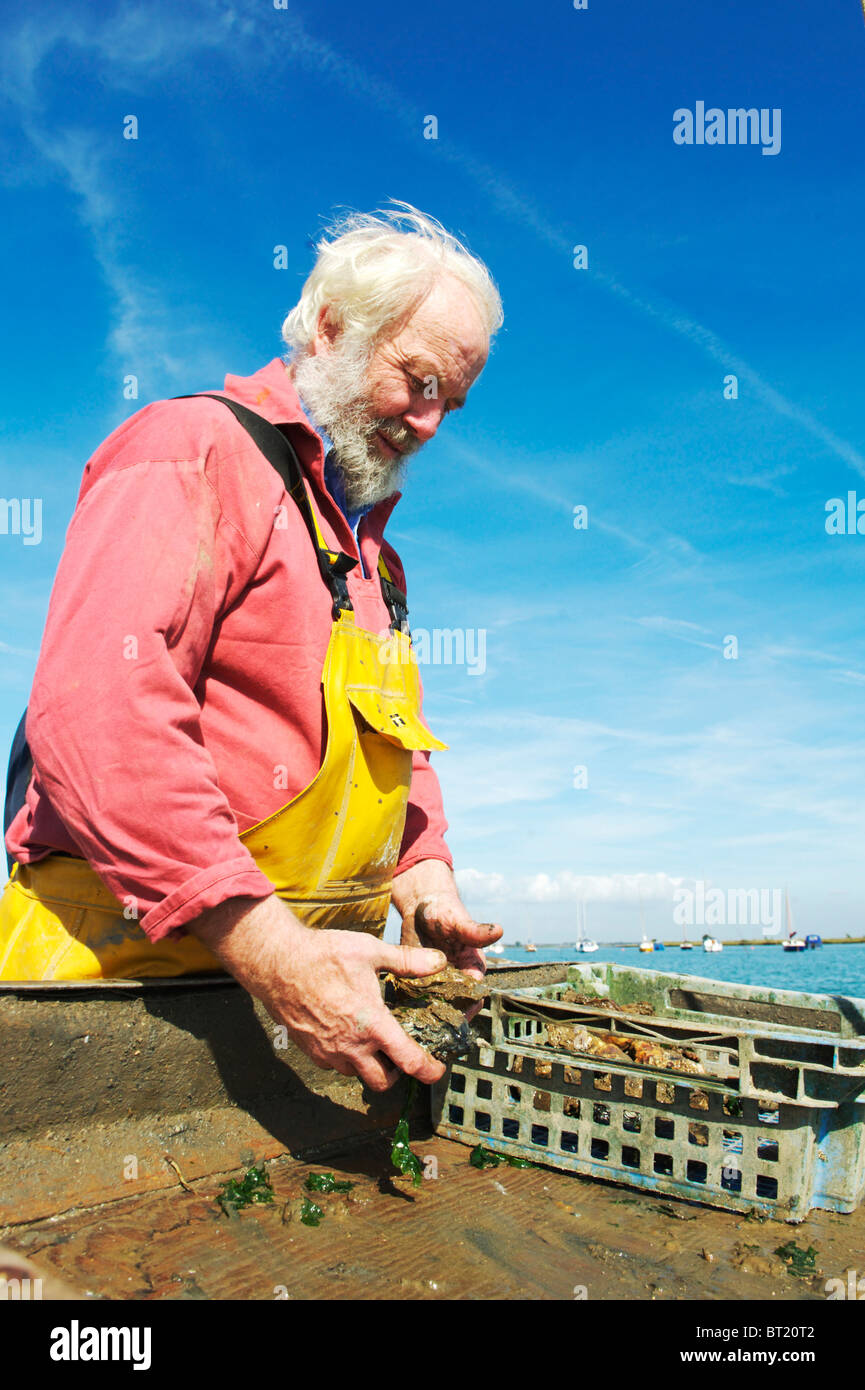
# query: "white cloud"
{"points": [[474, 884], [566, 887], [611, 888]]}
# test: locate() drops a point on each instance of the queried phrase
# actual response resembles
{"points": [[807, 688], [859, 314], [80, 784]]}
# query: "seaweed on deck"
{"points": [[253, 1188], [403, 1159], [487, 1158], [326, 1182]]}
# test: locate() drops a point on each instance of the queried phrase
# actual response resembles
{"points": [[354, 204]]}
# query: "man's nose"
{"points": [[424, 419]]}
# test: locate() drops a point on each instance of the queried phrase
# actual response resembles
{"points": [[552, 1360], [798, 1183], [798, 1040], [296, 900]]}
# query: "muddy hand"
{"points": [[443, 923]]}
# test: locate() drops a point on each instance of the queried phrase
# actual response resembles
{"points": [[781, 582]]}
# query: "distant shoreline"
{"points": [[696, 946]]}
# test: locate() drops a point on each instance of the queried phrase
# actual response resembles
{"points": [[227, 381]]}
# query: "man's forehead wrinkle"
{"points": [[424, 364], [452, 362]]}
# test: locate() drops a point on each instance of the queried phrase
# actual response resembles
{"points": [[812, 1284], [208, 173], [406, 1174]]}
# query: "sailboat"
{"points": [[793, 942], [645, 944], [686, 944], [583, 943]]}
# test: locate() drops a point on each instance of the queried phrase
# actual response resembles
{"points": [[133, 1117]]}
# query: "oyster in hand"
{"points": [[430, 1009], [450, 984]]}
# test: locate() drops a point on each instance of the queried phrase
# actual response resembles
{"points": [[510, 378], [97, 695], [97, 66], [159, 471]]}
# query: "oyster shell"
{"points": [[451, 985], [616, 1047], [430, 1009]]}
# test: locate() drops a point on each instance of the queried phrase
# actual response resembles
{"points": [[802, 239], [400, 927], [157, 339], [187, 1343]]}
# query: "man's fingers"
{"points": [[396, 1044], [456, 930], [472, 962], [410, 960], [376, 1071], [335, 1064], [479, 933]]}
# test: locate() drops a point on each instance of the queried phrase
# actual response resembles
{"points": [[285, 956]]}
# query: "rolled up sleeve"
{"points": [[114, 717]]}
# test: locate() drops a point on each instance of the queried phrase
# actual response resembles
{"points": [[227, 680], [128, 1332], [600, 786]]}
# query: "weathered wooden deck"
{"points": [[464, 1234], [112, 1097]]}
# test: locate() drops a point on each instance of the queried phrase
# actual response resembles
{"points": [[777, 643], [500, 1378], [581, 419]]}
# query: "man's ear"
{"points": [[327, 330]]}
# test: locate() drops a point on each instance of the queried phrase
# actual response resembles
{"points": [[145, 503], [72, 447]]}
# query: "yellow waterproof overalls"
{"points": [[330, 852]]}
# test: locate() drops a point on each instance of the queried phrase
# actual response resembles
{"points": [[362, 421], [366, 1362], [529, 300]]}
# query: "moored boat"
{"points": [[583, 943], [793, 942]]}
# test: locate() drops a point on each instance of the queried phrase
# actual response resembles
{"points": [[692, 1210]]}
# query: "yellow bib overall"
{"points": [[330, 852]]}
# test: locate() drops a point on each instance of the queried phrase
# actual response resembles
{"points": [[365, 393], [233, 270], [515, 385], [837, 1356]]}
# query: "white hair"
{"points": [[372, 270]]}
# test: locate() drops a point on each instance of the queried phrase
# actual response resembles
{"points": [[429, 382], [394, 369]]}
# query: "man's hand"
{"points": [[323, 986], [433, 915]]}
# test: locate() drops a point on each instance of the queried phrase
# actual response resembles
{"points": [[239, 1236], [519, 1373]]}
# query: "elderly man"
{"points": [[230, 764]]}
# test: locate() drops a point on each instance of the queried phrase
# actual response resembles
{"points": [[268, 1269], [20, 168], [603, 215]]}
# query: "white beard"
{"points": [[335, 388]]}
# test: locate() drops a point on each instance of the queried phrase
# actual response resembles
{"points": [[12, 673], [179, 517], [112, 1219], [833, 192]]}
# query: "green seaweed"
{"points": [[326, 1182], [254, 1187], [401, 1155], [310, 1212], [486, 1158], [800, 1263]]}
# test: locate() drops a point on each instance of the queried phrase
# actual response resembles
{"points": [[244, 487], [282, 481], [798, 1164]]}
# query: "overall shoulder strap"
{"points": [[279, 452], [394, 597], [334, 565]]}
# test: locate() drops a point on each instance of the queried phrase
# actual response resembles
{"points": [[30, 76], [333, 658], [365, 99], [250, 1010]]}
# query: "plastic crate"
{"points": [[730, 1138], [694, 999]]}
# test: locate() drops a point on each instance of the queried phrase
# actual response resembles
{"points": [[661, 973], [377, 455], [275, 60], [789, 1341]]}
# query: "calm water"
{"points": [[829, 970]]}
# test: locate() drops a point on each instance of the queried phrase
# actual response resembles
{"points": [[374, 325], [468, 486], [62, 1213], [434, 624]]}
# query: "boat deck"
{"points": [[188, 1081], [498, 1233]]}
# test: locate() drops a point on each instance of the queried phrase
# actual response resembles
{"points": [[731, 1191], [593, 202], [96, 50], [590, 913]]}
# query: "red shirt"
{"points": [[177, 698]]}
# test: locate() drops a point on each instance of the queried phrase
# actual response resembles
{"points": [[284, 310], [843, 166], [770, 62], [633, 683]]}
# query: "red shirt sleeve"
{"points": [[425, 823], [113, 722]]}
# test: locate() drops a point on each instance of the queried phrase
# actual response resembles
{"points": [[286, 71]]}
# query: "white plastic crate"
{"points": [[775, 1124]]}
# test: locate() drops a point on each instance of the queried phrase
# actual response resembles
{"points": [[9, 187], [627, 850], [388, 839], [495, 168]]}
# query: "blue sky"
{"points": [[604, 647]]}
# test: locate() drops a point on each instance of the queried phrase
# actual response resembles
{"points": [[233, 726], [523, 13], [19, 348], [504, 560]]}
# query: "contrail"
{"points": [[126, 44], [514, 204]]}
